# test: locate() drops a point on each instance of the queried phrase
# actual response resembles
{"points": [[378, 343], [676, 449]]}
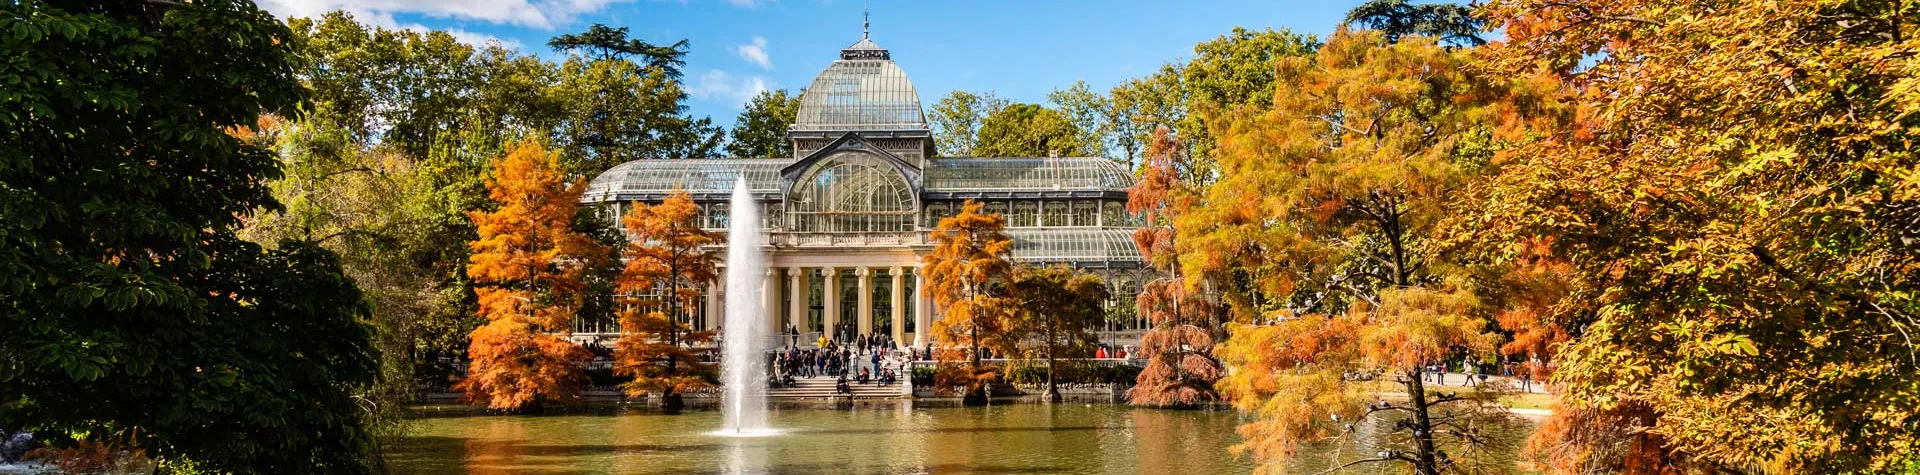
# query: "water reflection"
{"points": [[866, 439]]}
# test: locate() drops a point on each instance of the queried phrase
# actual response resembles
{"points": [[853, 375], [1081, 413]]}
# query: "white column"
{"points": [[830, 282], [922, 311], [714, 311], [899, 304], [770, 300], [865, 301], [797, 298]]}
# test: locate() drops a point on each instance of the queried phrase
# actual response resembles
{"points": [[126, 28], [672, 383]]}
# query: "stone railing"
{"points": [[798, 239]]}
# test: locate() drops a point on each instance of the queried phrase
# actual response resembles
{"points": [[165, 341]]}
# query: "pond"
{"points": [[877, 438]]}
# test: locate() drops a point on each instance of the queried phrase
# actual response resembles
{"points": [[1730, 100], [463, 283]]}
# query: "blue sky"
{"points": [[1020, 50]]}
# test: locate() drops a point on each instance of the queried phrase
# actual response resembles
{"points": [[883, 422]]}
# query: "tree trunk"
{"points": [[671, 402], [1053, 389], [976, 396], [1424, 462]]}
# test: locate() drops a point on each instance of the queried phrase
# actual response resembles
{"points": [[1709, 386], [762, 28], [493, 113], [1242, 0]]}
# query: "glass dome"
{"points": [[863, 90]]}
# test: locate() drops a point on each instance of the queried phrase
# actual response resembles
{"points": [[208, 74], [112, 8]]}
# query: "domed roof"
{"points": [[863, 90]]}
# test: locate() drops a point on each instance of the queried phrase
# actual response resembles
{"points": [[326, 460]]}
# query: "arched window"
{"points": [[1024, 214], [852, 193], [1084, 213]]}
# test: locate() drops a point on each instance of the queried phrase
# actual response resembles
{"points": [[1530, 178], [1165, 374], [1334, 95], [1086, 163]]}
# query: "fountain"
{"points": [[743, 362]]}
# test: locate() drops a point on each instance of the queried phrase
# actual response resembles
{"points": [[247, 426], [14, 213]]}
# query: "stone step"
{"points": [[807, 388]]}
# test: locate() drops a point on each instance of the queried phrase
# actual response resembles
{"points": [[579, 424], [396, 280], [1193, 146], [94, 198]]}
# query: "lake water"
{"points": [[878, 438]]}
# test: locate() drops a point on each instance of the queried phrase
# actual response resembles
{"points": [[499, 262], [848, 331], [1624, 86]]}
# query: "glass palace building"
{"points": [[847, 217]]}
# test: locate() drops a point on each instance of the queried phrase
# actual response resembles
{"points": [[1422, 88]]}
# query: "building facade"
{"points": [[846, 219]]}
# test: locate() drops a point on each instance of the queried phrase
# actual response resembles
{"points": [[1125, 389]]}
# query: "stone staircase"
{"points": [[822, 388]]}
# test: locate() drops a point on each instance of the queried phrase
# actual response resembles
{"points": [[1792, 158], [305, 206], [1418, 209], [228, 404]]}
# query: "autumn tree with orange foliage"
{"points": [[967, 272], [1737, 199], [669, 258], [526, 268], [1341, 190], [1180, 368]]}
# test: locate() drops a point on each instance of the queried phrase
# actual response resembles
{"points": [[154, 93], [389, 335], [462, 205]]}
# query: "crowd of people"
{"points": [[866, 359]]}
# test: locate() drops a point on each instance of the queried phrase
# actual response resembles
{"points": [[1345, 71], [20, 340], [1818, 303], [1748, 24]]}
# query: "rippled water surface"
{"points": [[1073, 438]]}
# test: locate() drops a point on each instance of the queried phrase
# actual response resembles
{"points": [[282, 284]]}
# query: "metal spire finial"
{"points": [[866, 21]]}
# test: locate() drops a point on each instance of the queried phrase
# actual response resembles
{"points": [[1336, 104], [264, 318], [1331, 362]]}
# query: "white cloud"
{"points": [[756, 53], [717, 85], [477, 39], [541, 14]]}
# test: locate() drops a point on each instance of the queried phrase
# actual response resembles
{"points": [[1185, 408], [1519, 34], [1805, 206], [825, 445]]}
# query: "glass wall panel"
{"points": [[1114, 214], [816, 296], [1054, 214], [935, 211], [771, 216], [913, 301], [1085, 213], [1121, 308], [882, 302], [1025, 214], [852, 193], [849, 282]]}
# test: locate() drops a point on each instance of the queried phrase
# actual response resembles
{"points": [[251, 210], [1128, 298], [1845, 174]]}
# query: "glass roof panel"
{"points": [[690, 175], [1026, 174]]}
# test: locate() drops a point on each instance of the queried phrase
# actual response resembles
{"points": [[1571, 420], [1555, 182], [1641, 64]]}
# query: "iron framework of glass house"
{"points": [[847, 218]]}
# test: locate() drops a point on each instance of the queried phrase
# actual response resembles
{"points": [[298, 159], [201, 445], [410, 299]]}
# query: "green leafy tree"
{"points": [[603, 43], [129, 309], [354, 202], [618, 112], [957, 118], [394, 205], [1227, 73], [1450, 23], [761, 130], [1093, 114], [1139, 106], [1056, 310], [1029, 130]]}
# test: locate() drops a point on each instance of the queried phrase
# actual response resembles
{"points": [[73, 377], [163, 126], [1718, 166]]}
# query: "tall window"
{"points": [[912, 303], [1055, 213], [1115, 213], [1024, 214], [994, 207], [717, 215], [1122, 314], [882, 299], [935, 211], [1085, 213], [852, 193], [771, 216]]}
